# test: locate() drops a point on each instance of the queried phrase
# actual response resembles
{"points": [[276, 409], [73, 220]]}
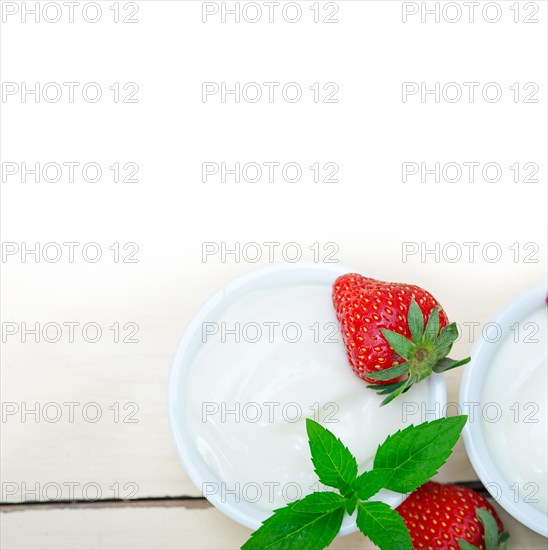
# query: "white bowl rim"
{"points": [[193, 463], [471, 388]]}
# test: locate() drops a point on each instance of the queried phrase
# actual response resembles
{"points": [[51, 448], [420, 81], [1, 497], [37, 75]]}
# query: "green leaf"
{"points": [[324, 501], [446, 338], [389, 388], [490, 528], [333, 462], [287, 529], [463, 545], [387, 374], [445, 364], [503, 539], [383, 387], [386, 388], [402, 389], [416, 453], [432, 326], [350, 505], [383, 526], [415, 320], [370, 483], [399, 343]]}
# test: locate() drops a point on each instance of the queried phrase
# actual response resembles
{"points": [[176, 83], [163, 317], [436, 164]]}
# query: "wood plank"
{"points": [[109, 452], [106, 452], [163, 528], [163, 216]]}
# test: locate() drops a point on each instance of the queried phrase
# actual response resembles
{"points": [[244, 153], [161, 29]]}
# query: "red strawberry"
{"points": [[451, 517], [383, 329]]}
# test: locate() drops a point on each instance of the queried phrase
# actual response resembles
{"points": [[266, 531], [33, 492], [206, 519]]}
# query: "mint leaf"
{"points": [[324, 501], [415, 321], [416, 453], [399, 343], [287, 529], [333, 462], [350, 505], [383, 526], [370, 483]]}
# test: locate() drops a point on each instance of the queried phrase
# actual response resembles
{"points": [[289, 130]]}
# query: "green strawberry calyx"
{"points": [[493, 537], [426, 352]]}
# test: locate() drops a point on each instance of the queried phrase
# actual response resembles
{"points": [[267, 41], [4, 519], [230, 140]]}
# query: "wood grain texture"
{"points": [[37, 452], [170, 528]]}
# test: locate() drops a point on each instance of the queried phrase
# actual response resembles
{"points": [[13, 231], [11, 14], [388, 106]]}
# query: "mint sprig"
{"points": [[426, 352], [402, 463]]}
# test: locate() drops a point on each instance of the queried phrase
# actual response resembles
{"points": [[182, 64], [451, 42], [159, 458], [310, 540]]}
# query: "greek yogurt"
{"points": [[273, 358], [515, 393]]}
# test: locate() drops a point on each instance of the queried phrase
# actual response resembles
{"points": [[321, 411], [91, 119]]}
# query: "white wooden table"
{"points": [[54, 465]]}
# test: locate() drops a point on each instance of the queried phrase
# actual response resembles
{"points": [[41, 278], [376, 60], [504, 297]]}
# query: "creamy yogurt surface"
{"points": [[514, 410], [273, 358]]}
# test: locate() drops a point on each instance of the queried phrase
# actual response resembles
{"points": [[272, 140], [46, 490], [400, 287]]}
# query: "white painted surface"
{"points": [[163, 529], [171, 213]]}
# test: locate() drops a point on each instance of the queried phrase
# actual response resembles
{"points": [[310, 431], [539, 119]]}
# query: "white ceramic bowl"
{"points": [[274, 275], [472, 387]]}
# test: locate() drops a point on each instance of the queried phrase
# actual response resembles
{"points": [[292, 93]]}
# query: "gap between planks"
{"points": [[158, 502], [195, 503]]}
